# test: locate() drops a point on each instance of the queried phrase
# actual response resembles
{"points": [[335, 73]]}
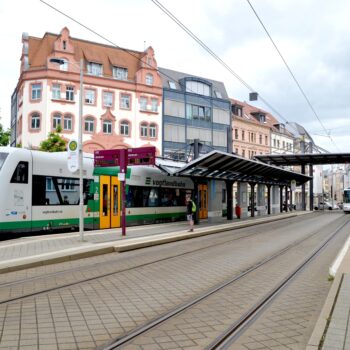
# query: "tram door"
{"points": [[109, 202], [203, 201]]}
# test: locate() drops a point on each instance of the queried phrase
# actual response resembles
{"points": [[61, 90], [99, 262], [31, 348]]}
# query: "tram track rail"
{"points": [[210, 245], [224, 340]]}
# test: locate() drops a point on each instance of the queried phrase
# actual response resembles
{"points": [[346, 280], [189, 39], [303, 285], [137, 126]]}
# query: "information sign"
{"points": [[72, 159]]}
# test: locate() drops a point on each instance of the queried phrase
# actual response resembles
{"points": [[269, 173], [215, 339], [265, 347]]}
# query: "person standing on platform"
{"points": [[190, 213]]}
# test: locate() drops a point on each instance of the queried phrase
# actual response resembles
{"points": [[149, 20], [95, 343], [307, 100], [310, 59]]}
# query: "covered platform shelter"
{"points": [[231, 168], [304, 160]]}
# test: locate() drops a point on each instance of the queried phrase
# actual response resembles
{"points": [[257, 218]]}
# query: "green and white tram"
{"points": [[151, 196], [346, 200], [39, 193]]}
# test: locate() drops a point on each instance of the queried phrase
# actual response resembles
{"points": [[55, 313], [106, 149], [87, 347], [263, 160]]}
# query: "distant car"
{"points": [[326, 206]]}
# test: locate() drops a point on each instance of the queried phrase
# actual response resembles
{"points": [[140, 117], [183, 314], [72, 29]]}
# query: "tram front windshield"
{"points": [[347, 196], [3, 157]]}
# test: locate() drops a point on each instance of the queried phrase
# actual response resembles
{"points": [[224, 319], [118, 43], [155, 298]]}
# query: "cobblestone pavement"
{"points": [[91, 313], [198, 326], [338, 332], [288, 323], [89, 268]]}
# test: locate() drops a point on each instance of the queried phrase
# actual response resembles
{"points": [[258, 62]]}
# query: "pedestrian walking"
{"points": [[190, 205]]}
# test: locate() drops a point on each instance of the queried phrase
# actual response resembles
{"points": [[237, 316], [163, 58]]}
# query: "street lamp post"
{"points": [[80, 144]]}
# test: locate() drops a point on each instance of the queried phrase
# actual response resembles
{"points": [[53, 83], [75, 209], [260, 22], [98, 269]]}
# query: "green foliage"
{"points": [[4, 136], [54, 142]]}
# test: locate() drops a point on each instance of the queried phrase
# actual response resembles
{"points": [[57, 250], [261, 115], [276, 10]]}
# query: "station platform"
{"points": [[332, 329], [34, 251]]}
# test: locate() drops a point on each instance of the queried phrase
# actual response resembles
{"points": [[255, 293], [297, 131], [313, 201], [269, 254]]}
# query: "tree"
{"points": [[54, 142], [4, 136]]}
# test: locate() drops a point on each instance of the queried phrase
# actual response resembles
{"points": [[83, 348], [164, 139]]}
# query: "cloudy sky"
{"points": [[313, 36]]}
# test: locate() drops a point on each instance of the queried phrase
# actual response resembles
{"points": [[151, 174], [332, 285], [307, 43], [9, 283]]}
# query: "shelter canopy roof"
{"points": [[303, 159], [225, 166]]}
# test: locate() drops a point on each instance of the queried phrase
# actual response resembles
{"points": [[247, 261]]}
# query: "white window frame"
{"points": [[35, 121], [144, 130], [56, 91], [120, 73], [152, 131], [107, 127], [149, 79], [94, 68], [89, 96], [125, 101], [143, 103], [89, 124], [154, 105], [67, 122], [124, 128], [36, 91], [70, 93], [107, 99], [56, 120]]}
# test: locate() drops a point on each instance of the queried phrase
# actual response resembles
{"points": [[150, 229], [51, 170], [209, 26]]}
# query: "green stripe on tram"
{"points": [[39, 224]]}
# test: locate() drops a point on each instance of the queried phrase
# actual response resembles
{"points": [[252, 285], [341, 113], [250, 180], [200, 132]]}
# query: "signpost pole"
{"points": [[123, 169]]}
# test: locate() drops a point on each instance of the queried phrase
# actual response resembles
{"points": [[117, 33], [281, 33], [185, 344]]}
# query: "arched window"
{"points": [[35, 121], [153, 130], [56, 121], [107, 127], [149, 79], [67, 122], [144, 130], [89, 124], [124, 128]]}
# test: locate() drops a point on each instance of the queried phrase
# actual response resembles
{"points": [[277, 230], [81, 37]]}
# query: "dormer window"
{"points": [[237, 110], [64, 44], [172, 85], [94, 68], [262, 118], [120, 73], [197, 87]]}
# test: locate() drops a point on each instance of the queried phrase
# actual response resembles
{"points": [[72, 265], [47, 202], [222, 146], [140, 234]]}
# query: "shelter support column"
{"points": [[275, 199], [268, 199], [260, 201], [252, 199], [281, 199], [286, 198], [229, 186], [242, 198], [311, 186], [195, 197], [303, 191]]}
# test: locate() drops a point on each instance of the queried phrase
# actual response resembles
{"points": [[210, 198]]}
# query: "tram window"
{"points": [[51, 190], [20, 175], [167, 197], [153, 198], [43, 191], [105, 200], [115, 199], [3, 157]]}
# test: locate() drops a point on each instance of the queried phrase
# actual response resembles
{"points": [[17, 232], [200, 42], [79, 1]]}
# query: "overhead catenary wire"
{"points": [[165, 75], [212, 53], [125, 50], [291, 73], [216, 57]]}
